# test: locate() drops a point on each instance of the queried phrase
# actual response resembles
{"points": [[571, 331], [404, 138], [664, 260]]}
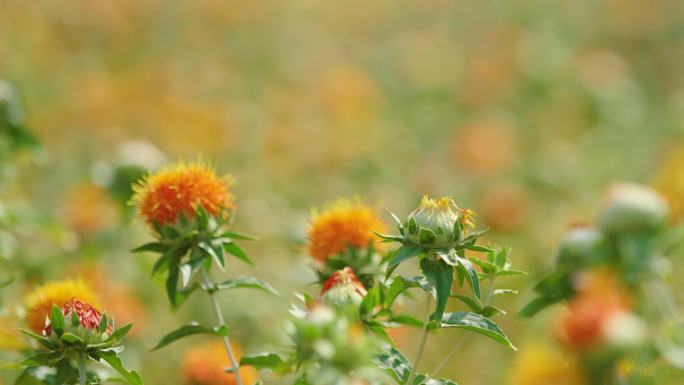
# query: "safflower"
{"points": [[205, 365], [342, 224], [438, 223], [342, 288], [88, 316], [39, 302], [182, 189]]}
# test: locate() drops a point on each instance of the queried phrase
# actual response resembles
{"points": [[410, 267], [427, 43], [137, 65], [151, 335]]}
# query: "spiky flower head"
{"points": [[343, 288], [182, 189], [82, 319], [39, 302], [438, 223], [340, 225], [205, 365]]}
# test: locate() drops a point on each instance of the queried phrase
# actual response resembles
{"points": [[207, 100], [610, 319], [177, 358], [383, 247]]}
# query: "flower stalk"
{"points": [[423, 339], [219, 316]]}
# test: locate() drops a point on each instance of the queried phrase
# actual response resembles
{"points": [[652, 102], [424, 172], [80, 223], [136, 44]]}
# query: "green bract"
{"points": [[189, 245], [70, 345]]}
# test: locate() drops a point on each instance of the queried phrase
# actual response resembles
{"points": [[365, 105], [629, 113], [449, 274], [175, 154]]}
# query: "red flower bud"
{"points": [[88, 316]]}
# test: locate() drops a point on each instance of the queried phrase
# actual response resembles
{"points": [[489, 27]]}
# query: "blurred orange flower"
{"points": [[599, 297], [39, 302], [205, 365], [341, 224], [86, 209], [486, 145], [9, 337], [182, 189], [541, 365]]}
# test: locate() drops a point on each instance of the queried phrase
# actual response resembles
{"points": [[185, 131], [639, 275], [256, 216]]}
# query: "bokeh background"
{"points": [[524, 111]]}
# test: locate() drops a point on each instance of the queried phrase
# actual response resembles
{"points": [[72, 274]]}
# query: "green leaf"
{"points": [[217, 255], [118, 334], [511, 272], [131, 376], [232, 235], [489, 311], [471, 275], [398, 286], [412, 226], [472, 303], [172, 280], [160, 263], [478, 324], [247, 283], [440, 276], [263, 360], [188, 330], [536, 305], [504, 291], [395, 364], [40, 339], [235, 250], [57, 320], [404, 253], [406, 320], [478, 248], [156, 247], [71, 339], [44, 359], [102, 327]]}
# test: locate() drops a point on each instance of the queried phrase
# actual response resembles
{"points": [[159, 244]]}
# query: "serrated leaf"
{"points": [[236, 251], [188, 330], [246, 283], [131, 376], [404, 253], [478, 324], [395, 364]]}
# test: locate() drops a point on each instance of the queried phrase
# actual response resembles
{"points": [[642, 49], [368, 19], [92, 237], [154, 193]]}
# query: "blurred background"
{"points": [[524, 111]]}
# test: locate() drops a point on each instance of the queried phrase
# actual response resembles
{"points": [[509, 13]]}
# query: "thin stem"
{"points": [[222, 322], [423, 340], [81, 362], [464, 337]]}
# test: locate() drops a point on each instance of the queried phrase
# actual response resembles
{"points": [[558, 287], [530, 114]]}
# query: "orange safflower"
{"points": [[39, 302], [599, 297], [344, 223], [205, 365], [182, 189]]}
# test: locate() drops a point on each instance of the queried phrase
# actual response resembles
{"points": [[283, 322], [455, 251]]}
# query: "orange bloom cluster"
{"points": [[344, 223], [599, 298], [205, 365], [182, 189]]}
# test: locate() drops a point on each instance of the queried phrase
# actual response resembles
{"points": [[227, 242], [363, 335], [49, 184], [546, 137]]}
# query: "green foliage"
{"points": [[189, 330]]}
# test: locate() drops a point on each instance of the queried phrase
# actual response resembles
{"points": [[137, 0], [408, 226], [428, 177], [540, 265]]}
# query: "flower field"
{"points": [[341, 193]]}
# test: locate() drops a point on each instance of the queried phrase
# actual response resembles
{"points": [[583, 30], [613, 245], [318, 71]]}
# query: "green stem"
{"points": [[222, 322], [81, 362], [423, 341], [464, 337]]}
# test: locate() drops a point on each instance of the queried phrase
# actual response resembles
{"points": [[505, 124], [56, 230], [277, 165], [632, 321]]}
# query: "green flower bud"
{"points": [[633, 209], [437, 223], [582, 246]]}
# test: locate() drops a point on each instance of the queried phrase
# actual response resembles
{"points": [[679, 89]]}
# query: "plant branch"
{"points": [[222, 322], [82, 372], [423, 340]]}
